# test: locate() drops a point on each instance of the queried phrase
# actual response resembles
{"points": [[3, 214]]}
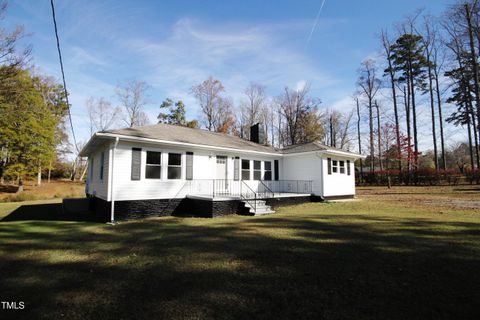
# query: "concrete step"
{"points": [[263, 212]]}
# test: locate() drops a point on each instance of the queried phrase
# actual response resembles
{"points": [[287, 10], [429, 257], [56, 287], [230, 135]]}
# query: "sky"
{"points": [[173, 45]]}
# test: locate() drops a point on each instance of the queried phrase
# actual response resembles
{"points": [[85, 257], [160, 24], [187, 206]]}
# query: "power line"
{"points": [[63, 75]]}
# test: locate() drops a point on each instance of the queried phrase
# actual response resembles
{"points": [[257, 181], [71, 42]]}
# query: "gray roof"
{"points": [[173, 133], [310, 146]]}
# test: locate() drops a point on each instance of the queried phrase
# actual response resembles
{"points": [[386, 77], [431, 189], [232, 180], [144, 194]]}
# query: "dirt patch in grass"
{"points": [[54, 189], [463, 197]]}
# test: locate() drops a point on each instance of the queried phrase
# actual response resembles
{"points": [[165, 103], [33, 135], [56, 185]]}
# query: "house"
{"points": [[165, 169]]}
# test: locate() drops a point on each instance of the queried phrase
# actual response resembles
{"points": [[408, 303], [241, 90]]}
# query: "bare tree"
{"points": [[10, 56], [253, 109], [295, 106], [102, 115], [208, 95], [369, 85], [132, 95]]}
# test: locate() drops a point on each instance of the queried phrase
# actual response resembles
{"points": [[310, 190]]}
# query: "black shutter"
{"points": [[277, 175], [329, 164], [189, 175], [236, 169], [136, 163], [348, 167]]}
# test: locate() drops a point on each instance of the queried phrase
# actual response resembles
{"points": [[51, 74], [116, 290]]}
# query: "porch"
{"points": [[216, 189]]}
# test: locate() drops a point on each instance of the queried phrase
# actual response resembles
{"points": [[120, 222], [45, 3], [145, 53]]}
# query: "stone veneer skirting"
{"points": [[137, 209]]}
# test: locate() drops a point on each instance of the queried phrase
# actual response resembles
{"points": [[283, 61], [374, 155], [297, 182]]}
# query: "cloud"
{"points": [[236, 54]]}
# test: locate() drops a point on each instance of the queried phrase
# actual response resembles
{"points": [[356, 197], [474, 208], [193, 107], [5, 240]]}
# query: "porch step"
{"points": [[259, 209]]}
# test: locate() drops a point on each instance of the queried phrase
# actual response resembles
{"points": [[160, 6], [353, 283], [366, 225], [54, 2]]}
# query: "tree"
{"points": [[175, 113], [208, 95], [392, 76], [12, 59], [410, 63], [369, 85], [253, 109], [28, 125], [132, 96], [102, 115], [297, 108]]}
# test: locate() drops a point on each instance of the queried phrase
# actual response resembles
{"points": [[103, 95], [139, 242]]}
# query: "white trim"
{"points": [[112, 208], [207, 147], [193, 145]]}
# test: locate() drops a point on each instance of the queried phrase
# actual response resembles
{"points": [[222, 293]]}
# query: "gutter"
{"points": [[112, 200]]}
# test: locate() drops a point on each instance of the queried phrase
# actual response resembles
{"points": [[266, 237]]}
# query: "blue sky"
{"points": [[173, 45]]}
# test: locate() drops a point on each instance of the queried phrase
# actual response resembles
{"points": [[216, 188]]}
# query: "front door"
{"points": [[221, 177]]}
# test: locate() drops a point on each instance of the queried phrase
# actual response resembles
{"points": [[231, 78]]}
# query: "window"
{"points": [[329, 165], [102, 161], [245, 169], [348, 167], [153, 168], [342, 167], [334, 166], [257, 170], [268, 170], [174, 166]]}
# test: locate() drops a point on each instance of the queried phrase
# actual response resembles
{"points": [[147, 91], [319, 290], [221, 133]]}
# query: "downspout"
{"points": [[112, 205]]}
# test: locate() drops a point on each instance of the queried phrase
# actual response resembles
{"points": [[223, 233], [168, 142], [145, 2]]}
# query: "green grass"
{"points": [[351, 260]]}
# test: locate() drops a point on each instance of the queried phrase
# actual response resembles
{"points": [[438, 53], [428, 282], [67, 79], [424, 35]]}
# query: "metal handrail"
{"points": [[245, 198], [266, 187]]}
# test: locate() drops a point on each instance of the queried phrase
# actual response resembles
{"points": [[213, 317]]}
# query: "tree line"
{"points": [[426, 65]]}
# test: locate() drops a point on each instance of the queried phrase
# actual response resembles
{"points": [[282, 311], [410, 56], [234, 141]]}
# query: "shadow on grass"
{"points": [[278, 267], [47, 212]]}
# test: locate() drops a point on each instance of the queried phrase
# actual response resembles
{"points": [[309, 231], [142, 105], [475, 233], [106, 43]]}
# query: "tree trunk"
{"points": [[49, 171], [379, 138], [84, 172], [474, 60], [39, 175], [415, 133], [432, 110], [409, 134], [372, 145], [359, 139], [395, 110], [440, 120], [470, 147]]}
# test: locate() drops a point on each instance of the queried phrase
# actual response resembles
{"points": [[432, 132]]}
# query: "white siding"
{"points": [[95, 185], [204, 167], [304, 167], [338, 184]]}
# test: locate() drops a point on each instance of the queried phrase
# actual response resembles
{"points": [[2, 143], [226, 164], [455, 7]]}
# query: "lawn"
{"points": [[381, 257]]}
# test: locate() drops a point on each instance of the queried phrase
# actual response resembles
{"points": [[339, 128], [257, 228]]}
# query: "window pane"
{"points": [[174, 159], [153, 157], [256, 165], [152, 172], [342, 169], [335, 162], [268, 165], [268, 175], [342, 163], [245, 164], [174, 172], [245, 174], [257, 175], [334, 169]]}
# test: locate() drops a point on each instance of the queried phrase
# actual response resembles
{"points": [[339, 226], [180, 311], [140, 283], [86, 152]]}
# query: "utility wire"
{"points": [[63, 76]]}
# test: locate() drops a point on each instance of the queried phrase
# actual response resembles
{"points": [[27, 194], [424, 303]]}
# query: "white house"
{"points": [[164, 169]]}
